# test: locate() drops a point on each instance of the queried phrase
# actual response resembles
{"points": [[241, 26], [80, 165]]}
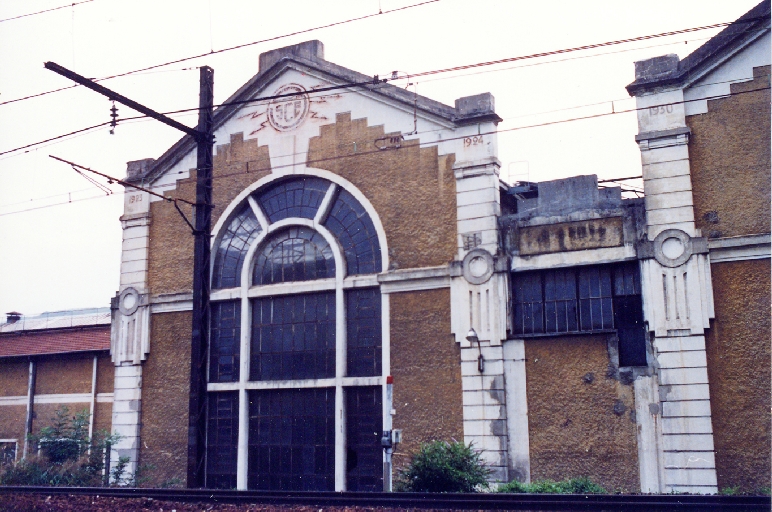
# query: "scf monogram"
{"points": [[287, 113]]}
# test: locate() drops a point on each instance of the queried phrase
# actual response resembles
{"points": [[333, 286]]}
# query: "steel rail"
{"points": [[481, 501]]}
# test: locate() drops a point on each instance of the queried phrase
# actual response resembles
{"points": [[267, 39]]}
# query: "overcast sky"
{"points": [[56, 254]]}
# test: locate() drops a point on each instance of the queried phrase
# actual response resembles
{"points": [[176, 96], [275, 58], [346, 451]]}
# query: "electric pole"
{"points": [[204, 136]]}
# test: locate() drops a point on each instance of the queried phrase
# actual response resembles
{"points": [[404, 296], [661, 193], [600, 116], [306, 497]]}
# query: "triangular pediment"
{"points": [[324, 89]]}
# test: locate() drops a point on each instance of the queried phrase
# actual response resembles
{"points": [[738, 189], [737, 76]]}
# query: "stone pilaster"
{"points": [[479, 288], [130, 331], [675, 433]]}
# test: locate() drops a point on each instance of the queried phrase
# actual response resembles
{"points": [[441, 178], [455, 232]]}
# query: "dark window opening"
{"points": [[233, 247], [364, 455], [583, 300], [363, 308], [292, 440], [7, 452], [295, 254], [222, 440], [351, 225], [226, 342], [298, 197], [293, 337]]}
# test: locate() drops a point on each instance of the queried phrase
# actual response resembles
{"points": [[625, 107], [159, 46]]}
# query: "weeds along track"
{"points": [[212, 499]]}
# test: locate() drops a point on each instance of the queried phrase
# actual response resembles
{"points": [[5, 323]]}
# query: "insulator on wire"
{"points": [[114, 116]]}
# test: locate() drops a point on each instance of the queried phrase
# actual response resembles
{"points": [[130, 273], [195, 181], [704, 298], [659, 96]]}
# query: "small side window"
{"points": [[8, 451]]}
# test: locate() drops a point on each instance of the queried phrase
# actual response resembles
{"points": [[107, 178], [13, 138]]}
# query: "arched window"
{"points": [[295, 360]]}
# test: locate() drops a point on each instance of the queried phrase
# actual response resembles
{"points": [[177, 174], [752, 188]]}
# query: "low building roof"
{"points": [[59, 332], [55, 341]]}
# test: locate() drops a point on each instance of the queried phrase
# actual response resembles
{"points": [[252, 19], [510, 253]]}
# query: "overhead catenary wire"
{"points": [[269, 98], [100, 196], [362, 153], [492, 132], [433, 142], [223, 50], [584, 47], [425, 73], [73, 4]]}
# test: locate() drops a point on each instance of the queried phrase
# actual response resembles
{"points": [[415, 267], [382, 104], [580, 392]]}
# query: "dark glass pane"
{"points": [[294, 254], [354, 229], [292, 440], [628, 316], [225, 342], [296, 197], [585, 316], [572, 316], [528, 303], [233, 247], [607, 313], [222, 439], [604, 278], [363, 332], [293, 337], [559, 291], [595, 307], [364, 425], [627, 279], [550, 317]]}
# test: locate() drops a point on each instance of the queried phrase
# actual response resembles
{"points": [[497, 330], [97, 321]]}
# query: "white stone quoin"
{"points": [[675, 441], [130, 332]]}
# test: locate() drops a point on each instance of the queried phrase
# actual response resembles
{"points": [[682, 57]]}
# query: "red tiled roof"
{"points": [[56, 341]]}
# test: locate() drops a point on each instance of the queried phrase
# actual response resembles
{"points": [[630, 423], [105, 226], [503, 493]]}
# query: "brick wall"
{"points": [[165, 386], [105, 374], [425, 363], [738, 353], [14, 377], [12, 419], [581, 423], [729, 151], [64, 374]]}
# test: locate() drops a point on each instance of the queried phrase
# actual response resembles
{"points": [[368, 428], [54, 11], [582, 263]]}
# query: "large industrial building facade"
{"points": [[370, 272]]}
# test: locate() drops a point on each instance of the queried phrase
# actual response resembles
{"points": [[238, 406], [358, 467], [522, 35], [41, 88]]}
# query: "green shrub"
{"points": [[572, 486], [440, 466], [66, 455]]}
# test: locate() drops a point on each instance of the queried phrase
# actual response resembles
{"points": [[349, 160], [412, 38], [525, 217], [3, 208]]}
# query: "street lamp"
{"points": [[471, 336]]}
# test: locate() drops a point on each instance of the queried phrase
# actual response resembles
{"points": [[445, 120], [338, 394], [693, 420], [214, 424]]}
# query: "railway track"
{"points": [[483, 501]]}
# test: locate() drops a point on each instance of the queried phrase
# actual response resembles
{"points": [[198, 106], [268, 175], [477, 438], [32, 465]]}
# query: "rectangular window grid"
{"points": [[364, 455], [583, 299], [293, 337], [595, 305], [363, 318], [222, 440], [292, 440], [225, 342], [528, 304]]}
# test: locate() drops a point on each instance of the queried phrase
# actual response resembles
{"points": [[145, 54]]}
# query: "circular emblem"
{"points": [[128, 301], [288, 113], [478, 266], [672, 248]]}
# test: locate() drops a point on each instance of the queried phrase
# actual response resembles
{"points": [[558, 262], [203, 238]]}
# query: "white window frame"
{"points": [[339, 284]]}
